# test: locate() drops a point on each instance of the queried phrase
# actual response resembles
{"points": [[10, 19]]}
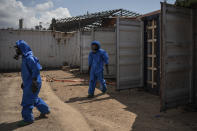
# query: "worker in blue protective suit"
{"points": [[30, 72], [96, 60]]}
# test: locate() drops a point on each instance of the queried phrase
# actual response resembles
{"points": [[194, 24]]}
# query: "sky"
{"points": [[35, 11]]}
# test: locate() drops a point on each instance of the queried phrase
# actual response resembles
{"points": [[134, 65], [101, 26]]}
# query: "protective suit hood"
{"points": [[96, 43], [24, 47]]}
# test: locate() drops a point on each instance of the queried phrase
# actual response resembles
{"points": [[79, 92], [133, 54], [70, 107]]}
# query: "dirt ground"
{"points": [[62, 118], [123, 111], [126, 110]]}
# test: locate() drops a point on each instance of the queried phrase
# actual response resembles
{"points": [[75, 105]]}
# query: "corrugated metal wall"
{"points": [[49, 47], [177, 56], [129, 54]]}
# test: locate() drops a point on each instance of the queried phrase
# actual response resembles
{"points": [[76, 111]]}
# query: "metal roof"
{"points": [[88, 21]]}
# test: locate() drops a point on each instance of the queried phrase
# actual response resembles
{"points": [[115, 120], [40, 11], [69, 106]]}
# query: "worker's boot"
{"points": [[104, 90], [90, 96], [42, 116]]}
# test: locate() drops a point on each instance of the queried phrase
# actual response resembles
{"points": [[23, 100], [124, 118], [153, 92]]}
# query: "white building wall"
{"points": [[52, 48]]}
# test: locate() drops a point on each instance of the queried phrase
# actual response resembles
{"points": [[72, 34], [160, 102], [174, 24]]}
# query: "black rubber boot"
{"points": [[90, 96], [43, 115]]}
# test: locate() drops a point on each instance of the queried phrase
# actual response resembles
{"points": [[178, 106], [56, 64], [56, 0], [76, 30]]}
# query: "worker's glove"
{"points": [[34, 86], [22, 86], [89, 70], [107, 68]]}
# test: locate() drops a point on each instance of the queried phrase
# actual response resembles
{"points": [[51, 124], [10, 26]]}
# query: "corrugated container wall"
{"points": [[177, 56], [107, 39], [130, 58], [195, 40], [49, 47]]}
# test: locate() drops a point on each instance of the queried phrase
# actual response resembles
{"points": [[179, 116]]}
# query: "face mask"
{"points": [[94, 51], [16, 57], [94, 48], [18, 53]]}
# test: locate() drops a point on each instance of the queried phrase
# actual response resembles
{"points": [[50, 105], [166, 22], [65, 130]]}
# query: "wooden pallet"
{"points": [[152, 42]]}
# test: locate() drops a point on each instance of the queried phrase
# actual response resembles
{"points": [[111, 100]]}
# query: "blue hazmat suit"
{"points": [[96, 61], [30, 69]]}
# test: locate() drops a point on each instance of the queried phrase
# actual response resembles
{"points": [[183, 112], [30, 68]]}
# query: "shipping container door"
{"points": [[195, 53], [176, 56], [107, 39], [129, 54]]}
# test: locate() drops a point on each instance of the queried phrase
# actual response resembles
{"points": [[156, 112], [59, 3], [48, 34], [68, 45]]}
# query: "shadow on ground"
{"points": [[9, 126], [87, 100], [145, 105], [14, 125]]}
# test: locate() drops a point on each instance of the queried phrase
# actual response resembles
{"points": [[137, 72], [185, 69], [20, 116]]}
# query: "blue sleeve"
{"points": [[90, 59], [33, 67], [105, 57]]}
